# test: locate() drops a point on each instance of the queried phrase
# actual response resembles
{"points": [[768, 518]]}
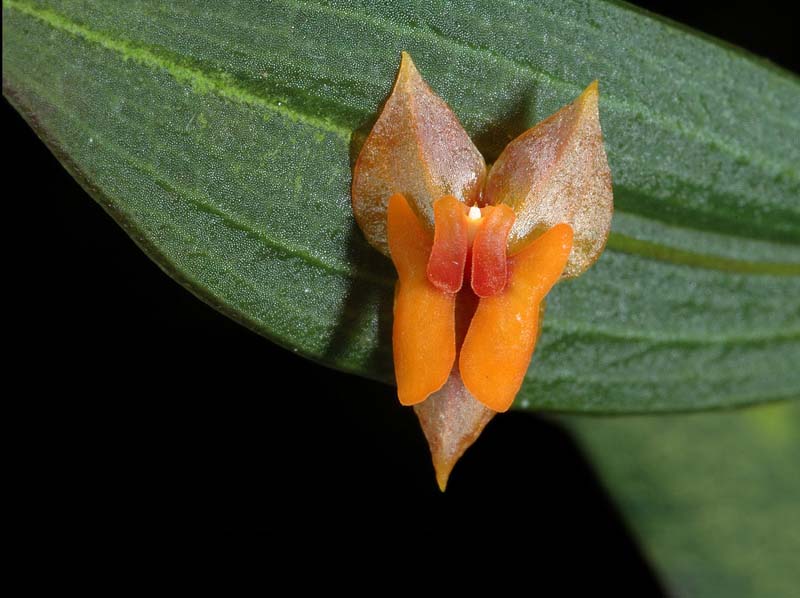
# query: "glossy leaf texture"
{"points": [[714, 498], [220, 136]]}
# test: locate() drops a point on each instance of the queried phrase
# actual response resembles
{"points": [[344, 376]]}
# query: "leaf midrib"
{"points": [[200, 80]]}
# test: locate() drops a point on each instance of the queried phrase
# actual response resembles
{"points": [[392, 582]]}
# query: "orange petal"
{"points": [[503, 332], [558, 172], [449, 252], [423, 334], [489, 261], [418, 148]]}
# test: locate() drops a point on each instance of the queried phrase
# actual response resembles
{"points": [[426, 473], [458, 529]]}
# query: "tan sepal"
{"points": [[418, 148], [452, 420], [558, 172]]}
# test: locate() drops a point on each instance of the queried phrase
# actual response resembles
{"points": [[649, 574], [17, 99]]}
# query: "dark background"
{"points": [[151, 409]]}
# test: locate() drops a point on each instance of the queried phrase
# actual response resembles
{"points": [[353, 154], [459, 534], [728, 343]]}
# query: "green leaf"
{"points": [[219, 136], [713, 498]]}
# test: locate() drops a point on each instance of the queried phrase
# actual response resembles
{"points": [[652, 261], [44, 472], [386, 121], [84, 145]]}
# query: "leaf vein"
{"points": [[200, 81]]}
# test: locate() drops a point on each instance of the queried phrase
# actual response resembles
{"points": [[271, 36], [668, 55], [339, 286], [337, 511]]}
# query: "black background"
{"points": [[149, 408]]}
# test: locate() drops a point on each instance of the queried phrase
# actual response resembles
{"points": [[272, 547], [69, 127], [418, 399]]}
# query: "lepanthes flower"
{"points": [[475, 253]]}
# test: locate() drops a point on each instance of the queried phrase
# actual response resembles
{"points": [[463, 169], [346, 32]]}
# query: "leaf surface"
{"points": [[220, 136], [713, 497]]}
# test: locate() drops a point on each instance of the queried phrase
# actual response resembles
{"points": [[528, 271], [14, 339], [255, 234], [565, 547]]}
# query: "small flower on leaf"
{"points": [[475, 253]]}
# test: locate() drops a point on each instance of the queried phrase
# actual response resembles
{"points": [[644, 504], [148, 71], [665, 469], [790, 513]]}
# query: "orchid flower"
{"points": [[475, 254]]}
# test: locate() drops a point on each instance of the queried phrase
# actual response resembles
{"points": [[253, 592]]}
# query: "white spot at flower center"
{"points": [[474, 213]]}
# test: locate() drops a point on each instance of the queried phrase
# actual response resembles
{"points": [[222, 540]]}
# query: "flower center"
{"points": [[472, 243]]}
